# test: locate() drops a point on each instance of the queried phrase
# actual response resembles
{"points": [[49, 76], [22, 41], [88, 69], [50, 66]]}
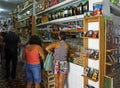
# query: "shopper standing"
{"points": [[61, 49], [33, 52], [12, 43]]}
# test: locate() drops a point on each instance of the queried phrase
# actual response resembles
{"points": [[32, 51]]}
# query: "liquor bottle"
{"points": [[53, 15], [50, 16], [66, 12], [62, 13], [74, 10], [58, 13], [80, 9], [70, 11], [86, 6]]}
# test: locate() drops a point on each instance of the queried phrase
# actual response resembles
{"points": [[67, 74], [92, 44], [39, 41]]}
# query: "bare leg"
{"points": [[29, 84], [37, 85], [56, 80], [61, 80]]}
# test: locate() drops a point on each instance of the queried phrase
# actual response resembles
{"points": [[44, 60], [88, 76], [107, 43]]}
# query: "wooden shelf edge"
{"points": [[110, 50], [93, 58], [111, 75], [89, 78], [110, 64], [90, 37], [93, 17]]}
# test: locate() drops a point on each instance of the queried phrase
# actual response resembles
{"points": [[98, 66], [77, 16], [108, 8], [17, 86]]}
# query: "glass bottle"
{"points": [[62, 13], [53, 15], [58, 13], [80, 9], [70, 11], [49, 15], [66, 12], [86, 6]]}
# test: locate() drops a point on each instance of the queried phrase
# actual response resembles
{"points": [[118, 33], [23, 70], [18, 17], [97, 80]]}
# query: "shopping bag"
{"points": [[48, 64]]}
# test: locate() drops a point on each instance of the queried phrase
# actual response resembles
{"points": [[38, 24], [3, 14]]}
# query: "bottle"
{"points": [[53, 15], [74, 10], [86, 6], [49, 16], [58, 13], [70, 10], [62, 13], [66, 12], [80, 9]]}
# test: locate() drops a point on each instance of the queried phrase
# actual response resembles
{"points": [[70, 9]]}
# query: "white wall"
{"points": [[75, 80]]}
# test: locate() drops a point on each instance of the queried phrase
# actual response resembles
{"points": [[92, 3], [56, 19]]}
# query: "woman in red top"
{"points": [[33, 52]]}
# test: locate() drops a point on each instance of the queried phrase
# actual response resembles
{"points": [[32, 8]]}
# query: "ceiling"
{"points": [[7, 6]]}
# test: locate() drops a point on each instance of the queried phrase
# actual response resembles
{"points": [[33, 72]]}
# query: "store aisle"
{"points": [[19, 82]]}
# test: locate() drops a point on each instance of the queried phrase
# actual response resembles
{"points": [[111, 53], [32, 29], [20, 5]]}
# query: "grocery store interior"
{"points": [[92, 29]]}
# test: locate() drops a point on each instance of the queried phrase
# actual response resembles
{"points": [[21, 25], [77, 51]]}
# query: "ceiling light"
{"points": [[2, 9]]}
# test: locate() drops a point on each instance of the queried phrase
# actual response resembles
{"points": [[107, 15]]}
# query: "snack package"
{"points": [[97, 8]]}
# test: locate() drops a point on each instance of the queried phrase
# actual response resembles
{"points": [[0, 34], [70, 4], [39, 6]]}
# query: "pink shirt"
{"points": [[32, 56]]}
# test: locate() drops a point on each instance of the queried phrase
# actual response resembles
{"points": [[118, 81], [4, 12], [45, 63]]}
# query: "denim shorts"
{"points": [[33, 73]]}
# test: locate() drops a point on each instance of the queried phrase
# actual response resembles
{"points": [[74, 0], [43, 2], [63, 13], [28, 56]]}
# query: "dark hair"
{"points": [[34, 39], [62, 35]]}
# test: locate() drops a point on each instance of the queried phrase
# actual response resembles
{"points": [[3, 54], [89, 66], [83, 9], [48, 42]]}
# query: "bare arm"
{"points": [[41, 53], [50, 47]]}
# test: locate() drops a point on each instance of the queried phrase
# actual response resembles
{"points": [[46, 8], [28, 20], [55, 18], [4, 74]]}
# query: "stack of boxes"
{"points": [[48, 80]]}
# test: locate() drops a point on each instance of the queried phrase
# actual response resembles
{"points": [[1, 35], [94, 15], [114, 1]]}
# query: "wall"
{"points": [[75, 80]]}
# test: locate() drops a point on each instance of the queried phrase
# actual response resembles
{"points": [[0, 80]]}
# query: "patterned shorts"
{"points": [[60, 67]]}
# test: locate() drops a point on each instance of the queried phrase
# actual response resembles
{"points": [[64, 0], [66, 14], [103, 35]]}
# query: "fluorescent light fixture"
{"points": [[2, 9]]}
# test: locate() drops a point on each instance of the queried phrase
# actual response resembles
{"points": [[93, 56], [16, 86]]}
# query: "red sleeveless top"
{"points": [[32, 56]]}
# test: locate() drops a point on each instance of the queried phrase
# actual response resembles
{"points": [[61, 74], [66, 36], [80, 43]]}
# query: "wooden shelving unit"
{"points": [[95, 43]]}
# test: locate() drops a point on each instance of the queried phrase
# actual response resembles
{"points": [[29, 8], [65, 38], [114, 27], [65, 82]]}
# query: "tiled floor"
{"points": [[19, 82]]}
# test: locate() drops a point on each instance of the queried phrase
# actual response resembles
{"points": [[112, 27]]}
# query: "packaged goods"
{"points": [[97, 8]]}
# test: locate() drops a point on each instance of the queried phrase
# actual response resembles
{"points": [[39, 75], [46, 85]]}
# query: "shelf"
{"points": [[90, 37], [111, 64], [93, 17], [24, 19], [93, 58], [66, 19], [111, 75], [69, 31], [23, 26], [110, 50], [115, 9], [58, 5], [73, 31], [47, 40], [25, 9], [90, 78]]}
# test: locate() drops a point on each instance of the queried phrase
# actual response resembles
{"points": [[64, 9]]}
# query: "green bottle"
{"points": [[86, 6], [62, 13], [70, 10], [80, 9]]}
